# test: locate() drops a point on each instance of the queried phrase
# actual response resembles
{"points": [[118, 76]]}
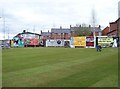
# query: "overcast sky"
{"points": [[46, 14]]}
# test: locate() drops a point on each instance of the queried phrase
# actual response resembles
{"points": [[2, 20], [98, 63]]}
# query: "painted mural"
{"points": [[90, 42], [80, 41], [105, 41]]}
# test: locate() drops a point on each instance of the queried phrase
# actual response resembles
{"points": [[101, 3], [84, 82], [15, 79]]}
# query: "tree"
{"points": [[82, 30]]}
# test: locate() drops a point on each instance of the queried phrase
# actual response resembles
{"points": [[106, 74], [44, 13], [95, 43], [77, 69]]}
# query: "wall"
{"points": [[105, 31], [56, 42], [113, 26]]}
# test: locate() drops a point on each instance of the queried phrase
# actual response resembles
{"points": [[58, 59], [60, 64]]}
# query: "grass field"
{"points": [[60, 67]]}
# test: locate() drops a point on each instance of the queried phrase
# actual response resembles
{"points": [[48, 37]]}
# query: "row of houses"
{"points": [[34, 39], [66, 33], [113, 29]]}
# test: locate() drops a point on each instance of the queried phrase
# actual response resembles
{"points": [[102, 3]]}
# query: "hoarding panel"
{"points": [[80, 41], [72, 42], [57, 42], [12, 43], [105, 41], [89, 41], [31, 42]]}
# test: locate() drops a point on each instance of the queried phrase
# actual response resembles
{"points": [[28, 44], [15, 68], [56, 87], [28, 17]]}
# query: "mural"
{"points": [[26, 40], [32, 41], [105, 41], [18, 42], [54, 42], [67, 43], [80, 41], [12, 43], [5, 43], [57, 43], [89, 42], [115, 42], [72, 42]]}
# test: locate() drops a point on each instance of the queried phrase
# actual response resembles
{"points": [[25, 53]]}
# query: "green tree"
{"points": [[83, 30]]}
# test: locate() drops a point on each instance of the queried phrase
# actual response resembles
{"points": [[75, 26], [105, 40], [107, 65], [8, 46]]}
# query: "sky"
{"points": [[19, 15]]}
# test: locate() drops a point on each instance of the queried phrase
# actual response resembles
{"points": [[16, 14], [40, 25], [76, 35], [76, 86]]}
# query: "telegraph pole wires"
{"points": [[3, 17], [3, 20], [8, 33], [4, 26]]}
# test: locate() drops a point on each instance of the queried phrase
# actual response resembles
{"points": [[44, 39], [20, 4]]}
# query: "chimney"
{"points": [[89, 26], [60, 27], [41, 31], [99, 26], [70, 26], [80, 25], [24, 31]]}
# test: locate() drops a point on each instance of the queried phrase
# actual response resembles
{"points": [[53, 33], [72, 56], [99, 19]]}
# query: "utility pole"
{"points": [[93, 21], [27, 38], [93, 24], [3, 18], [60, 34], [8, 33], [0, 66], [4, 26]]}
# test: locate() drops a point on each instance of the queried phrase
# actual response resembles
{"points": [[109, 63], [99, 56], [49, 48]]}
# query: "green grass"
{"points": [[60, 67]]}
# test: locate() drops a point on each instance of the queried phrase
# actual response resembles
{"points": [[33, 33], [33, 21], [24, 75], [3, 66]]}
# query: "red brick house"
{"points": [[57, 33], [61, 33], [45, 35], [113, 30], [105, 31], [66, 33]]}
